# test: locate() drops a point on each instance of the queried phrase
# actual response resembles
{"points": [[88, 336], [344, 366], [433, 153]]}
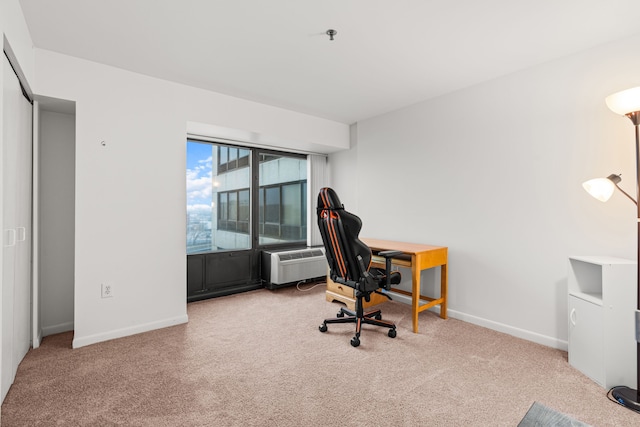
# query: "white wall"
{"points": [[17, 40], [130, 192], [494, 172], [56, 216], [343, 171]]}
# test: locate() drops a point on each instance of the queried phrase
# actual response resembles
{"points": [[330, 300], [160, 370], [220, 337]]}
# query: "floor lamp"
{"points": [[626, 103]]}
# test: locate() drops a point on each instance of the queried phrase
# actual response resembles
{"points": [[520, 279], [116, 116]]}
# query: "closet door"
{"points": [[22, 285], [9, 232], [16, 227]]}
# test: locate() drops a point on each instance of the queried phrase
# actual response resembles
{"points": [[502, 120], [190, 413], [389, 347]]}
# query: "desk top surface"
{"points": [[410, 248]]}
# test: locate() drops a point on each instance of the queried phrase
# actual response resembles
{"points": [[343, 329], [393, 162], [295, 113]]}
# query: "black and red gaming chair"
{"points": [[350, 261]]}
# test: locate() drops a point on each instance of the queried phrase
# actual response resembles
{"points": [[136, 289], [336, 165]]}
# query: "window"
{"points": [[199, 197], [223, 214], [283, 210], [282, 198], [234, 211], [230, 158]]}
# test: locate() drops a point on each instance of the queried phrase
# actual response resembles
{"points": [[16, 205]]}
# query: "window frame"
{"points": [[281, 224], [252, 160]]}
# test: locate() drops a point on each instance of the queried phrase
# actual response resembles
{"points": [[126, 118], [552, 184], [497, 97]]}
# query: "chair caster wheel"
{"points": [[378, 317], [340, 314], [322, 328], [392, 333], [355, 341]]}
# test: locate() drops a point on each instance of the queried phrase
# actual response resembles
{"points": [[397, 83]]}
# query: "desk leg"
{"points": [[444, 287], [415, 293]]}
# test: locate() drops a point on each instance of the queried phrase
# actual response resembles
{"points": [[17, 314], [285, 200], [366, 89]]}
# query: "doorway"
{"points": [[54, 217]]}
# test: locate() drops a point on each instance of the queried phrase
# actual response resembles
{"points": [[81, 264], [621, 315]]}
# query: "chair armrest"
{"points": [[389, 254], [343, 281]]}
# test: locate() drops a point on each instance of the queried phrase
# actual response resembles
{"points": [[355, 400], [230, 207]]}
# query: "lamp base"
{"points": [[626, 397]]}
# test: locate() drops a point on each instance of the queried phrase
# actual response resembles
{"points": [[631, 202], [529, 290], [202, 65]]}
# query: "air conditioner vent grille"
{"points": [[310, 253], [296, 265]]}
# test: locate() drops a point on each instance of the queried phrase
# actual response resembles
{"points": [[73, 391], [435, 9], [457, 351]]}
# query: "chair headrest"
{"points": [[328, 199]]}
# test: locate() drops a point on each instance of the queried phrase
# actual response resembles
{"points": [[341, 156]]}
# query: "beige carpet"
{"points": [[258, 359]]}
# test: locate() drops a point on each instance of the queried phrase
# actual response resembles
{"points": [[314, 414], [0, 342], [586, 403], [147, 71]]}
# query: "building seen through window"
{"points": [[219, 195]]}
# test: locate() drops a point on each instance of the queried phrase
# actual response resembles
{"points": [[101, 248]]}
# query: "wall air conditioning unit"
{"points": [[282, 268]]}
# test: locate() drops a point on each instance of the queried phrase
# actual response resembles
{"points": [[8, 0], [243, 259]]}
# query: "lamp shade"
{"points": [[624, 102], [600, 188]]}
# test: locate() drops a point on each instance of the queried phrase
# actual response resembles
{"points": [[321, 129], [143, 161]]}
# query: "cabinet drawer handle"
{"points": [[340, 287], [572, 317], [10, 237]]}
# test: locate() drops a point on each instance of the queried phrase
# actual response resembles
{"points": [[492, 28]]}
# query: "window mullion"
{"points": [[254, 164]]}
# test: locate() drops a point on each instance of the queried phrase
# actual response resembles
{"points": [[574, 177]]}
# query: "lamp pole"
{"points": [[627, 103], [634, 118], [625, 395]]}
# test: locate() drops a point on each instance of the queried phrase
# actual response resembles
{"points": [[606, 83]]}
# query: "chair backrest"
{"points": [[339, 230]]}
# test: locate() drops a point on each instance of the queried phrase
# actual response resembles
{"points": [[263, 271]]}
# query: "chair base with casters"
{"points": [[359, 317]]}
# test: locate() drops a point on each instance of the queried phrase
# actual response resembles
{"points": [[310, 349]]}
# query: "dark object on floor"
{"points": [[541, 416]]}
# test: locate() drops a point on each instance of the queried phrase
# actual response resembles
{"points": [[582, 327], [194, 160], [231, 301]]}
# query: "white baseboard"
{"points": [[496, 326], [511, 330], [125, 332], [56, 329]]}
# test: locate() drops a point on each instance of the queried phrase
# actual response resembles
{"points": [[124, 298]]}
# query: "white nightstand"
{"points": [[602, 305]]}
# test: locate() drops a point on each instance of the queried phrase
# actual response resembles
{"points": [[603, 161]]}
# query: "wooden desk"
{"points": [[421, 258]]}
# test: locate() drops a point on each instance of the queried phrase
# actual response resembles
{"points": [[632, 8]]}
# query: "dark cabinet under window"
{"points": [[222, 273]]}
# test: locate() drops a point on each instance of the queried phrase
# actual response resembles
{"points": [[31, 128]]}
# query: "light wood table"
{"points": [[418, 257]]}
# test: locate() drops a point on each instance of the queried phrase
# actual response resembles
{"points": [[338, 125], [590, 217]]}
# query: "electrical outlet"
{"points": [[107, 290]]}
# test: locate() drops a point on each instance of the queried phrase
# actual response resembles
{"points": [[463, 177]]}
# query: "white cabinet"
{"points": [[602, 305]]}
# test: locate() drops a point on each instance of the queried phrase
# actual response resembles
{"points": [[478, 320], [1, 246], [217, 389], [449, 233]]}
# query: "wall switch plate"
{"points": [[107, 290]]}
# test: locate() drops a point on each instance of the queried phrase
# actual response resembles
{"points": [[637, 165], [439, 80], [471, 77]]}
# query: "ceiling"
{"points": [[387, 54]]}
